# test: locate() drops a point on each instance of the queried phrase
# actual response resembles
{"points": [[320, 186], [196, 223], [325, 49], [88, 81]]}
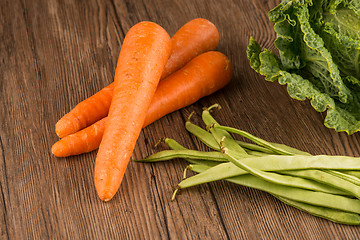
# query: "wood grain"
{"points": [[56, 53]]}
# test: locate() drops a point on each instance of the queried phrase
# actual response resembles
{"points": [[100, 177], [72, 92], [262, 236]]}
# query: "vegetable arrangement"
{"points": [[113, 118], [156, 75], [324, 186], [319, 47]]}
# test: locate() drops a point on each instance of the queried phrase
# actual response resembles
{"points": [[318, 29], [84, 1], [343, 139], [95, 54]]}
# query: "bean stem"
{"points": [[218, 134]]}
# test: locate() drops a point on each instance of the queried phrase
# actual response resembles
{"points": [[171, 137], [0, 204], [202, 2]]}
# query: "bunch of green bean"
{"points": [[325, 186]]}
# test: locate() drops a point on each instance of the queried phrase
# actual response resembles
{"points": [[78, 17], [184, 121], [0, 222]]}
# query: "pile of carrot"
{"points": [[155, 75]]}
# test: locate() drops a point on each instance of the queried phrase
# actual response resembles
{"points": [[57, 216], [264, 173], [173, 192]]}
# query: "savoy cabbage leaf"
{"points": [[341, 117], [319, 48]]}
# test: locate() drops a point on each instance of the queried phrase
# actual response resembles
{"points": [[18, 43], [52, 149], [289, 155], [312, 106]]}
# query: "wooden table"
{"points": [[57, 53]]}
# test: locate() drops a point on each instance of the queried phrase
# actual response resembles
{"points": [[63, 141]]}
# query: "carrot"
{"points": [[83, 141], [195, 37], [144, 53], [200, 77], [86, 112]]}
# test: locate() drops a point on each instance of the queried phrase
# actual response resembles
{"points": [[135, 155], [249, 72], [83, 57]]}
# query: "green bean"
{"points": [[327, 213], [198, 168], [254, 147], [290, 149], [256, 140], [203, 135], [278, 178], [224, 171], [270, 162], [190, 154], [275, 177], [258, 148], [298, 194], [315, 162], [218, 134], [347, 177], [327, 178], [174, 145], [256, 153], [319, 185], [267, 146], [352, 173], [207, 138]]}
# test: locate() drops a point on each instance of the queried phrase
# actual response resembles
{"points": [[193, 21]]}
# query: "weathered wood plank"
{"points": [[56, 53]]}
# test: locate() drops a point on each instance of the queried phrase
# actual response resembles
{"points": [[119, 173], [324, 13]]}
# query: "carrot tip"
{"points": [[56, 149], [105, 197], [62, 130]]}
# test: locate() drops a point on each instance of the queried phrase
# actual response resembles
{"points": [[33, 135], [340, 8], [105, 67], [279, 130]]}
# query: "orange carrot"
{"points": [[200, 77], [144, 53], [195, 37], [86, 112], [83, 141]]}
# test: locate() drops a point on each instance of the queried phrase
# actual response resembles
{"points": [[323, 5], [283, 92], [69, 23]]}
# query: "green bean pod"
{"points": [[269, 162], [254, 147], [255, 153], [224, 171], [289, 149], [174, 145], [287, 180], [327, 178], [256, 140], [203, 135], [301, 195], [323, 212], [352, 173], [321, 185], [327, 213], [186, 154], [219, 134], [347, 177]]}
